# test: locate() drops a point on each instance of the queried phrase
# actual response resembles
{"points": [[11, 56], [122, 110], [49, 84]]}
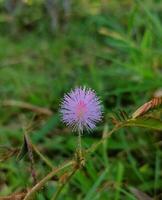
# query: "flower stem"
{"points": [[79, 144], [93, 148]]}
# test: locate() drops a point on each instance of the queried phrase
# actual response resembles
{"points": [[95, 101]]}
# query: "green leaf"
{"points": [[92, 192], [120, 174], [146, 122]]}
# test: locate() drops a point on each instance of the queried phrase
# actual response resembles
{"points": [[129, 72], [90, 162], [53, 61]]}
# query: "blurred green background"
{"points": [[48, 47]]}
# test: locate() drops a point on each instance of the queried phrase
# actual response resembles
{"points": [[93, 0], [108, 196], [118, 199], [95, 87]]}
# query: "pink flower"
{"points": [[81, 109]]}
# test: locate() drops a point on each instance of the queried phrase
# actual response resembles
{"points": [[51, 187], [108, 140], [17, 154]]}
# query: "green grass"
{"points": [[118, 53]]}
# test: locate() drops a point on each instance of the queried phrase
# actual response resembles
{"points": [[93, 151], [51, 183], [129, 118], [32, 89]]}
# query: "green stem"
{"points": [[79, 142], [42, 156], [40, 184], [95, 146]]}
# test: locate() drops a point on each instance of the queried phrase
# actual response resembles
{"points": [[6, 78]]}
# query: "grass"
{"points": [[117, 51]]}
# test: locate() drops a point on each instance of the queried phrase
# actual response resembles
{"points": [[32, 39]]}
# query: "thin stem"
{"points": [[46, 160], [56, 195], [79, 141], [40, 184], [95, 146]]}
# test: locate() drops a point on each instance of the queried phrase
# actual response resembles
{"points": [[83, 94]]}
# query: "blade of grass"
{"points": [[120, 174], [92, 191], [157, 171]]}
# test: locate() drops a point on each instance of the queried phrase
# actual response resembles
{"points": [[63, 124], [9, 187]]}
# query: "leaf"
{"points": [[142, 118], [92, 192], [155, 102], [120, 175], [146, 122], [26, 148], [23, 150]]}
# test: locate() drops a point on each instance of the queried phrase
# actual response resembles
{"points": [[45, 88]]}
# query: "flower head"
{"points": [[81, 109]]}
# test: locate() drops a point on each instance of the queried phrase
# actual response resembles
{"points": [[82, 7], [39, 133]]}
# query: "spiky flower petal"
{"points": [[81, 109]]}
